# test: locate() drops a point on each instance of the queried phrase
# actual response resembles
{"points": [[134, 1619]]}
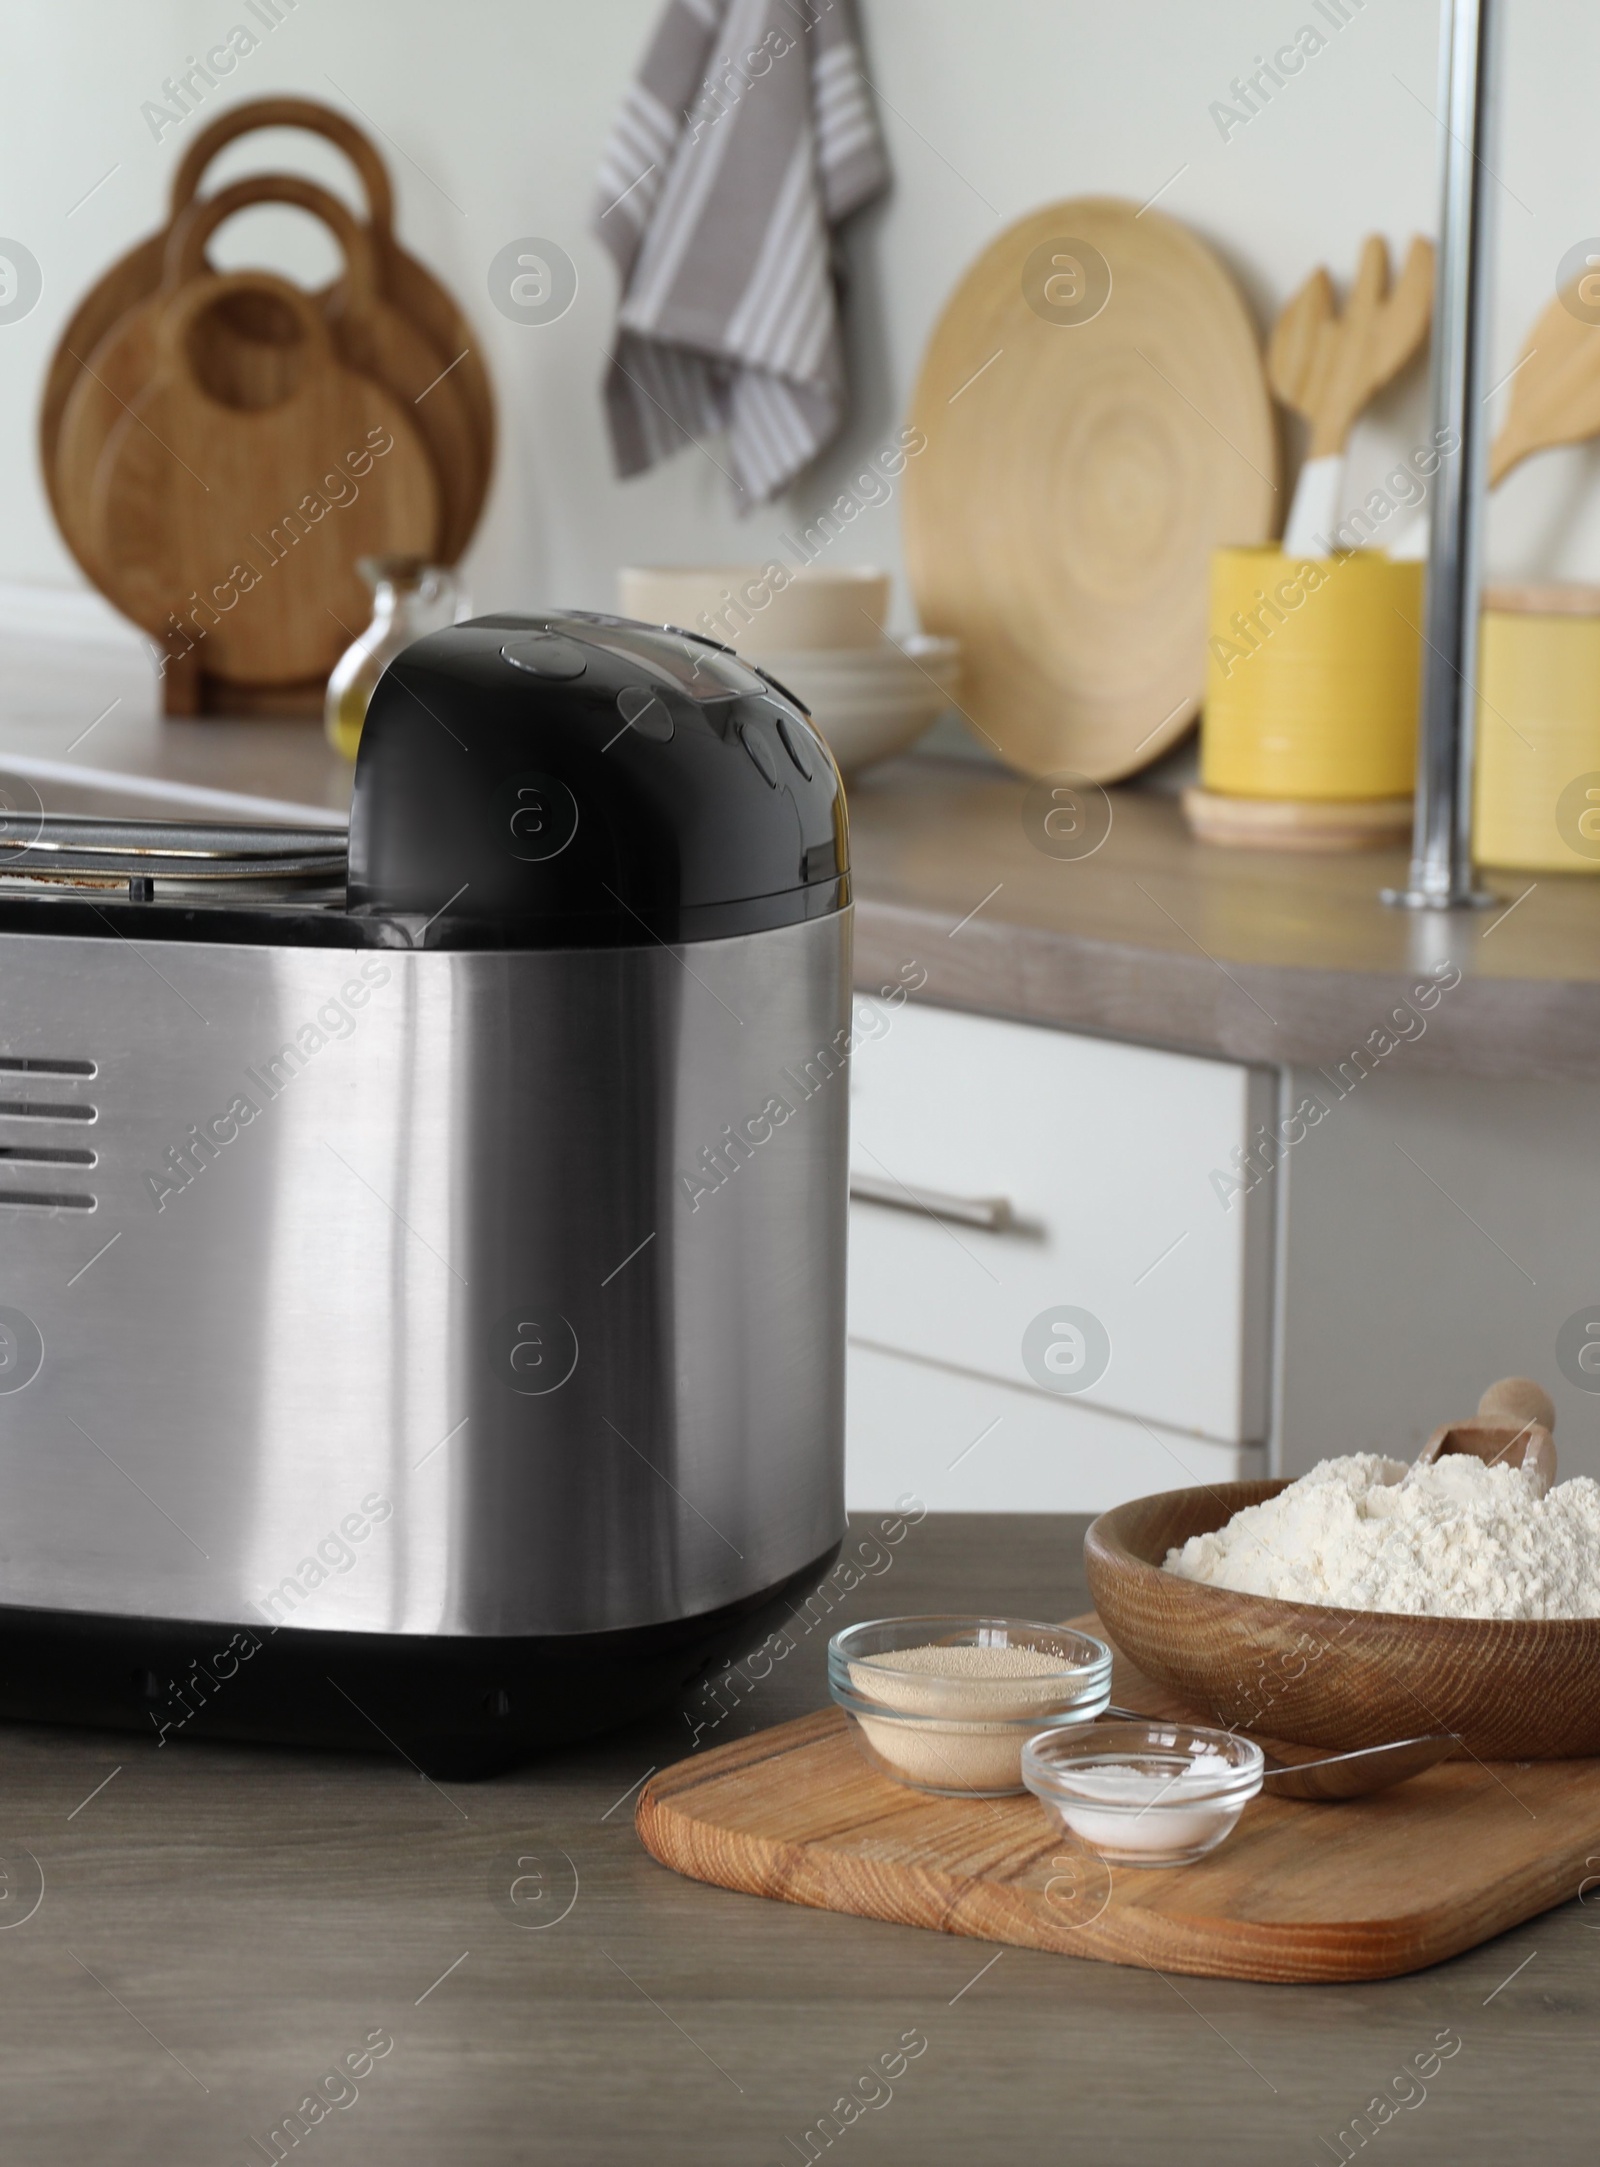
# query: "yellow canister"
{"points": [[1536, 803], [1312, 676]]}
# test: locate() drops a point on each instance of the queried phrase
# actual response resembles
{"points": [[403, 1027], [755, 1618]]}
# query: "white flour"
{"points": [[1454, 1540]]}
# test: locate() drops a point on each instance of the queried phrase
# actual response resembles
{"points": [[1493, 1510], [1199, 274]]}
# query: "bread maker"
{"points": [[422, 1292]]}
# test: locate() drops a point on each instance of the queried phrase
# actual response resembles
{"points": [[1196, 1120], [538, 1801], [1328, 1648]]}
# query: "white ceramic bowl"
{"points": [[840, 607], [872, 703]]}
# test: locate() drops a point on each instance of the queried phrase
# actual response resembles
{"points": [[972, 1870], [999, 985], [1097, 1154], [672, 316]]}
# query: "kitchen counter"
{"points": [[1260, 956], [219, 1924], [1256, 956]]}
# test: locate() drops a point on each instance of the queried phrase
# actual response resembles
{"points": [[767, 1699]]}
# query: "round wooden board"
{"points": [[1075, 480], [434, 330]]}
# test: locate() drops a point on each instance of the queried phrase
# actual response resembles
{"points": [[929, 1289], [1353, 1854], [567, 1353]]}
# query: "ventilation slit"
{"points": [[16, 1065], [18, 1159]]}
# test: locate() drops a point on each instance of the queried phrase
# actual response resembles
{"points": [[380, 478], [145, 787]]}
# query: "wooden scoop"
{"points": [[1514, 1426]]}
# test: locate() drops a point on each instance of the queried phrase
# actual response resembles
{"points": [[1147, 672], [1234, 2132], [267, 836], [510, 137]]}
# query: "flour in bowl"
{"points": [[1457, 1539]]}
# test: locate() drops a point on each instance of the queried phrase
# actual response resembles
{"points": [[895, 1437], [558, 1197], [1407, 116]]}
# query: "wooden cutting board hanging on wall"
{"points": [[403, 281], [1097, 422], [386, 320], [369, 335], [256, 492]]}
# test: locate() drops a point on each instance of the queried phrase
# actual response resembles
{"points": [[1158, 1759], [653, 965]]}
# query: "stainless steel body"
{"points": [[503, 1293], [1441, 851]]}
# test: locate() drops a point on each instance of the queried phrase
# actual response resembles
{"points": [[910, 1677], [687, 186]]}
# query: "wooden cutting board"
{"points": [[1299, 1892], [437, 346], [369, 335], [1077, 475], [263, 509]]}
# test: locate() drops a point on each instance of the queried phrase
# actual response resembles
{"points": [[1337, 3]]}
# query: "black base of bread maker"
{"points": [[454, 1706]]}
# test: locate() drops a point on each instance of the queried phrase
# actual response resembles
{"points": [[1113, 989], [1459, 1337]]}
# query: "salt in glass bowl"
{"points": [[961, 1737], [1145, 1794]]}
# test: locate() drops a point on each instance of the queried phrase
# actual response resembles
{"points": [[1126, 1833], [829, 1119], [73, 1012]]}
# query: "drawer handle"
{"points": [[992, 1213]]}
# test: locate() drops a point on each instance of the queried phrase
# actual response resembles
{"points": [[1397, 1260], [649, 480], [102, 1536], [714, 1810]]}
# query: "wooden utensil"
{"points": [[1555, 389], [1515, 1424], [1326, 365], [403, 282], [1555, 399], [1509, 1689], [1077, 476], [1385, 1885], [207, 485]]}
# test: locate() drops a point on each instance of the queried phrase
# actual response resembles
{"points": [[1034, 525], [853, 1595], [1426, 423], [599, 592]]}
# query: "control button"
{"points": [[794, 745], [644, 713], [546, 654], [781, 689], [755, 744]]}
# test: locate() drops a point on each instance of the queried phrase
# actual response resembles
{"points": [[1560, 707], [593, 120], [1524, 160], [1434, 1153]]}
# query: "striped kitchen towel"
{"points": [[747, 139]]}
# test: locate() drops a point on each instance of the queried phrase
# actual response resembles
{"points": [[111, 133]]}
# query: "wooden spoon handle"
{"points": [[1518, 1399], [305, 113]]}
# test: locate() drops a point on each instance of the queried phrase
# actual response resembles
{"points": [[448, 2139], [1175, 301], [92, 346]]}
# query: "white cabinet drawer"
{"points": [[1098, 1159], [971, 1444]]}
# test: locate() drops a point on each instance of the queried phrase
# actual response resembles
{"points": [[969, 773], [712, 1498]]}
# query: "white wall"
{"points": [[496, 113]]}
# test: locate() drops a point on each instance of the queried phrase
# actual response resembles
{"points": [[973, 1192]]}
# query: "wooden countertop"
{"points": [[1260, 956], [1252, 955], [220, 1924]]}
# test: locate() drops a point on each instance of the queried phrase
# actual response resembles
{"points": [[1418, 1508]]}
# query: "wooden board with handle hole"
{"points": [[199, 487], [250, 359], [1364, 1890], [441, 334]]}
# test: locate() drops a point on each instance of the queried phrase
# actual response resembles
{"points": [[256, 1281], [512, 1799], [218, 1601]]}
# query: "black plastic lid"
{"points": [[568, 780]]}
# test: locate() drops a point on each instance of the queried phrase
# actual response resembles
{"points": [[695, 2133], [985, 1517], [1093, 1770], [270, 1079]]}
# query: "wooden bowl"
{"points": [[1510, 1689]]}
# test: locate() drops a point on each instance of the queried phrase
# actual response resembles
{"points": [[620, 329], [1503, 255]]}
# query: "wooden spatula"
{"points": [[1555, 399], [1555, 389], [1326, 366], [1514, 1427]]}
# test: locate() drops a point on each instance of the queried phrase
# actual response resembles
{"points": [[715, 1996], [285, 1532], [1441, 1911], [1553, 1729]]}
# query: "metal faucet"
{"points": [[1441, 875]]}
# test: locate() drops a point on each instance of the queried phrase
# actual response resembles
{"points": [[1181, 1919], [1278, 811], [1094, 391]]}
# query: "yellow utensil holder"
{"points": [[1536, 803], [1312, 676]]}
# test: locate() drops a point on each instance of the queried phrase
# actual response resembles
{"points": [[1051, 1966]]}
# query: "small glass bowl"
{"points": [[961, 1737], [1145, 1794]]}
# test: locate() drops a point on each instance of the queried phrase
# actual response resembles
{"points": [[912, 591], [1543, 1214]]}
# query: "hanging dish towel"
{"points": [[747, 140]]}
